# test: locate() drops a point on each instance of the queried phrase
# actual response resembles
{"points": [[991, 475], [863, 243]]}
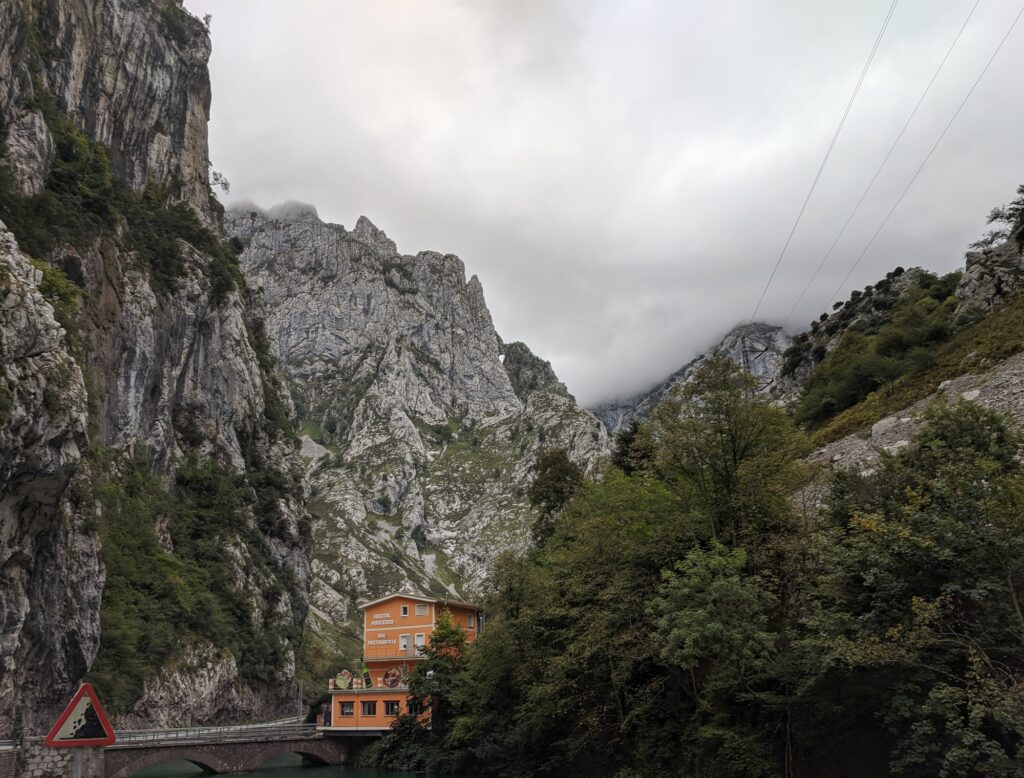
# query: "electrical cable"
{"points": [[931, 151], [881, 167], [828, 153]]}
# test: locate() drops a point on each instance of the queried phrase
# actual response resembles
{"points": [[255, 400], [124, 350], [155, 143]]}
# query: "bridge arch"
{"points": [[203, 758], [308, 751]]}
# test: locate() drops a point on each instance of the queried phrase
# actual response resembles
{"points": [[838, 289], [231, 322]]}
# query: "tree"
{"points": [[712, 622], [416, 745], [632, 449], [923, 599], [556, 481], [1011, 216], [727, 450]]}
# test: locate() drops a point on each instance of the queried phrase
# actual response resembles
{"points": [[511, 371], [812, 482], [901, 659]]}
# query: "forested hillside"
{"points": [[690, 615], [726, 601]]}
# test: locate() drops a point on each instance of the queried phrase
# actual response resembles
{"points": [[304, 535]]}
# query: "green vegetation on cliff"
{"points": [[172, 574], [83, 201], [893, 343], [890, 330]]}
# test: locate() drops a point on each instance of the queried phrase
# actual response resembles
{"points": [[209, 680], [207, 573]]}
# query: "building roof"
{"points": [[409, 595]]}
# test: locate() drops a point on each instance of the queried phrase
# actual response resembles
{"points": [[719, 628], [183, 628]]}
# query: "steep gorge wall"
{"points": [[161, 334], [421, 426]]}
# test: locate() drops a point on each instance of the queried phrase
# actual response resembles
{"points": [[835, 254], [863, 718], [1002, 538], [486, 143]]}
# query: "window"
{"points": [[348, 709], [420, 642], [370, 708], [405, 610], [415, 708], [421, 610], [403, 643], [469, 620], [392, 707]]}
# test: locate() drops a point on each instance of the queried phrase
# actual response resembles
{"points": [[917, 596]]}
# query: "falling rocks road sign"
{"points": [[83, 723]]}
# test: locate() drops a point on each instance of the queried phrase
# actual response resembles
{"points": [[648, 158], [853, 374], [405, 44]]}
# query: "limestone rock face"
{"points": [[204, 684], [990, 277], [758, 348], [171, 375], [132, 75], [423, 426], [50, 575], [1001, 389]]}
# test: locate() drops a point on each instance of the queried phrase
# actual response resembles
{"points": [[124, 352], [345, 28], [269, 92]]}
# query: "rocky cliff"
{"points": [[51, 574], [148, 440], [757, 347], [420, 426]]}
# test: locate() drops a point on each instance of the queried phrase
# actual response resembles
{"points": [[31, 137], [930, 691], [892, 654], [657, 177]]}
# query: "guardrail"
{"points": [[9, 745], [273, 731]]}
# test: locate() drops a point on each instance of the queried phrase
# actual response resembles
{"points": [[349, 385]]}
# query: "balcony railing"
{"points": [[402, 687]]}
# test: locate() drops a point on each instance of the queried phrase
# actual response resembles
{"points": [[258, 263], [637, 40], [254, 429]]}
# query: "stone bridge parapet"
{"points": [[232, 757]]}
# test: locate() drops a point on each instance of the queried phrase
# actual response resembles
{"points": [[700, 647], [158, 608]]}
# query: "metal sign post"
{"points": [[76, 764]]}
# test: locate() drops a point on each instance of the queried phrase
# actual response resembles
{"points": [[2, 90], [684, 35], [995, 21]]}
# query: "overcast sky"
{"points": [[622, 175]]}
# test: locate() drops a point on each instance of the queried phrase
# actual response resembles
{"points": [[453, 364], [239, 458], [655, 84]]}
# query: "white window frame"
{"points": [[421, 609], [470, 620], [405, 611], [420, 640], [351, 707]]}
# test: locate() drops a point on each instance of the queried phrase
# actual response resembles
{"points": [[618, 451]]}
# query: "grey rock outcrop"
{"points": [[758, 348], [989, 278], [50, 574], [1001, 389], [132, 75], [428, 425]]}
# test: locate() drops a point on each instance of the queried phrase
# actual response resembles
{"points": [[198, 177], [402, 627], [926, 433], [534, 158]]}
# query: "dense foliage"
{"points": [[556, 479], [169, 557], [688, 619], [907, 325]]}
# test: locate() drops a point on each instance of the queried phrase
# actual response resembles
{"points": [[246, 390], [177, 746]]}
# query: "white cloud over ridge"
{"points": [[620, 176]]}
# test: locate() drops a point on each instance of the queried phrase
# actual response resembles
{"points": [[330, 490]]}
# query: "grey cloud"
{"points": [[621, 176]]}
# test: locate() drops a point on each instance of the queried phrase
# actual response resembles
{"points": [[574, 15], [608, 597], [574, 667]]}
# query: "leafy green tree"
{"points": [[632, 450], [728, 451], [556, 481], [414, 744], [712, 622], [922, 601], [1011, 216]]}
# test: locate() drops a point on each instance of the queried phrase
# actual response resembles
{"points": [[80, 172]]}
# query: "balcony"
{"points": [[402, 687], [378, 654]]}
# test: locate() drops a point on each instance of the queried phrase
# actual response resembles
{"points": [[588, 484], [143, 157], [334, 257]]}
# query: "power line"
{"points": [[828, 153], [931, 151], [885, 161]]}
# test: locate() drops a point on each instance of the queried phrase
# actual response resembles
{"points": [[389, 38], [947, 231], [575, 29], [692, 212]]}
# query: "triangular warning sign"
{"points": [[83, 722]]}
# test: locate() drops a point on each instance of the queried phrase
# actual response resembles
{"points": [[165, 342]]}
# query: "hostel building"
{"points": [[396, 628]]}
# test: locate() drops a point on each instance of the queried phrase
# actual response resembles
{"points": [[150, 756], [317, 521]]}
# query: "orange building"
{"points": [[396, 628]]}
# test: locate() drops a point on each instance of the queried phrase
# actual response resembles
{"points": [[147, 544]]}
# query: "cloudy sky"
{"points": [[622, 176]]}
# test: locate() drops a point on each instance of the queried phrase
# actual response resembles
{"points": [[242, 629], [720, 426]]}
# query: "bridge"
{"points": [[231, 749]]}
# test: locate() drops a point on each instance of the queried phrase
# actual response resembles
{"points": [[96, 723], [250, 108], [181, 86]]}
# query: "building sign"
{"points": [[380, 642], [381, 619]]}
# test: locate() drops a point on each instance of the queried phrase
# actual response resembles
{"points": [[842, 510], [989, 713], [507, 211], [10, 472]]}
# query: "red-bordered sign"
{"points": [[83, 723]]}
